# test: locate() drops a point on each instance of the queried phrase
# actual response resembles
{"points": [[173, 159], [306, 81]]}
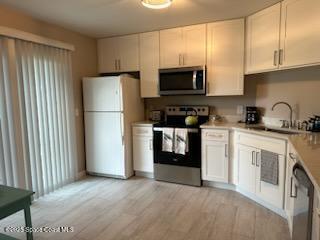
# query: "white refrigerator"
{"points": [[111, 105]]}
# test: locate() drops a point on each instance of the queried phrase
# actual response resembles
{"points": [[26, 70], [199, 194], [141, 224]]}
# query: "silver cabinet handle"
{"points": [[257, 161], [252, 155], [150, 144], [280, 56], [116, 64], [226, 150], [275, 58], [119, 64], [295, 187], [183, 59], [179, 59]]}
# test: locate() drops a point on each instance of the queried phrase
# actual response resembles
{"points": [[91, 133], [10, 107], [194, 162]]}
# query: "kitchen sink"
{"points": [[276, 130]]}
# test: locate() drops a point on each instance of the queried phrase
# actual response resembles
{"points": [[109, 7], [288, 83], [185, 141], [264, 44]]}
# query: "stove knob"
{"points": [[169, 109]]}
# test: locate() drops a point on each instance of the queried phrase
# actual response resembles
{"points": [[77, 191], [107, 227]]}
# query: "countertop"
{"points": [[306, 145], [146, 123], [244, 128]]}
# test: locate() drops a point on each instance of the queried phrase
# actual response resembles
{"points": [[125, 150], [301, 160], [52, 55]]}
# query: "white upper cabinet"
{"points": [[118, 54], [183, 47], [195, 46], [283, 36], [107, 55], [128, 53], [300, 34], [171, 48], [225, 58], [149, 64], [262, 40]]}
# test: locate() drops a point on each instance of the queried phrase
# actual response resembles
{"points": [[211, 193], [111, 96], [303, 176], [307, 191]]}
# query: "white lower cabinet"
{"points": [[215, 155], [143, 149], [289, 201], [249, 170]]}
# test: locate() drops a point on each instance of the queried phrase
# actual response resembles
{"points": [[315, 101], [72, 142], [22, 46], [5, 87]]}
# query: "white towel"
{"points": [[181, 145], [167, 139]]}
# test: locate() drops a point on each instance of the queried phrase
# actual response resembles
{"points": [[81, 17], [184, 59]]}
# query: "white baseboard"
{"points": [[144, 174], [219, 185], [81, 175]]}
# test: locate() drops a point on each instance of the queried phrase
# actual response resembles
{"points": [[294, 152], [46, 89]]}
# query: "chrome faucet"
{"points": [[290, 108]]}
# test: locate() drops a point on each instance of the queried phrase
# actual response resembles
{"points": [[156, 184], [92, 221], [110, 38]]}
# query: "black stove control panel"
{"points": [[187, 110]]}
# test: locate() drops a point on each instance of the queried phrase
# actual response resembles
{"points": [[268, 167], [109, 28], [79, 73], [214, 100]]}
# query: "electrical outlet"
{"points": [[240, 109]]}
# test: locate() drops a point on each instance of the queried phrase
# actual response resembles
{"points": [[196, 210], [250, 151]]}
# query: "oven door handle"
{"points": [[190, 130]]}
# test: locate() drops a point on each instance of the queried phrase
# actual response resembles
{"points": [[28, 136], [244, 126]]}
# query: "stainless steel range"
{"points": [[175, 167]]}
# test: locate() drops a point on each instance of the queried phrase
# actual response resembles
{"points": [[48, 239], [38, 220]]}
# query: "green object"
{"points": [[191, 120], [5, 237], [13, 200]]}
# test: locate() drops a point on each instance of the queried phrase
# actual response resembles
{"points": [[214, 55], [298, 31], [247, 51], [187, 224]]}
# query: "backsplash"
{"points": [[224, 105]]}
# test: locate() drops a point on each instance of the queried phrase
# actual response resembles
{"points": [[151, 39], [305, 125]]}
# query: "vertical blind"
{"points": [[8, 159], [46, 115]]}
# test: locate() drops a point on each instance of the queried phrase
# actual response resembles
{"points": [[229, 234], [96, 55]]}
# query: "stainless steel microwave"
{"points": [[182, 81]]}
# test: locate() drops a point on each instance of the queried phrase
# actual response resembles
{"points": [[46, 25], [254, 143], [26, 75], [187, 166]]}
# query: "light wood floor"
{"points": [[143, 209]]}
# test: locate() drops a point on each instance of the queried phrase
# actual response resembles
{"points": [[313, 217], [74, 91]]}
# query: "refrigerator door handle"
{"points": [[122, 129]]}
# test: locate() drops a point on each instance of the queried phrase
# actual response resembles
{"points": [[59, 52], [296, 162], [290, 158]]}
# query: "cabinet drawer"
{"points": [[142, 131], [215, 135], [266, 143]]}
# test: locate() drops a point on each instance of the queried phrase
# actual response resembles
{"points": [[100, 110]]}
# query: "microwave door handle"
{"points": [[194, 80]]}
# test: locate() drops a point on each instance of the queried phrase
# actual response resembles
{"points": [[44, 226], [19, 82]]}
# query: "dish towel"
{"points": [[167, 139], [181, 145], [269, 167]]}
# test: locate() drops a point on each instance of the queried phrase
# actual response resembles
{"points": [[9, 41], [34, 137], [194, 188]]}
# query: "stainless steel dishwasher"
{"points": [[302, 191]]}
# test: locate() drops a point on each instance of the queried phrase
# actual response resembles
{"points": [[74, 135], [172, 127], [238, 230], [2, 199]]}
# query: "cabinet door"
{"points": [[300, 33], [194, 38], [262, 42], [107, 55], [225, 58], [247, 168], [149, 64], [129, 53], [271, 193], [171, 48], [215, 161], [143, 154], [289, 201]]}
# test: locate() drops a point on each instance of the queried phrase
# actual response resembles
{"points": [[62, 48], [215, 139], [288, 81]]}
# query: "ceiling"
{"points": [[102, 18]]}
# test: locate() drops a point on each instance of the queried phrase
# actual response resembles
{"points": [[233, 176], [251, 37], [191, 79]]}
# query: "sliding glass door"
{"points": [[44, 98]]}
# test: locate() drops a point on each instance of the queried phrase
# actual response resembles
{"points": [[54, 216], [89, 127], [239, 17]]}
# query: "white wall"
{"points": [[299, 87]]}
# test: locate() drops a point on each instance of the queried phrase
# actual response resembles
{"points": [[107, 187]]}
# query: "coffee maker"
{"points": [[252, 115]]}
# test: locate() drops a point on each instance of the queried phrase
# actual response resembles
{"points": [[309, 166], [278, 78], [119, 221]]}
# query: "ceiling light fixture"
{"points": [[156, 4]]}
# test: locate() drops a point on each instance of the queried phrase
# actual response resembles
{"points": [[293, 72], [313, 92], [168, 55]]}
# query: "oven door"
{"points": [[191, 159], [182, 81]]}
